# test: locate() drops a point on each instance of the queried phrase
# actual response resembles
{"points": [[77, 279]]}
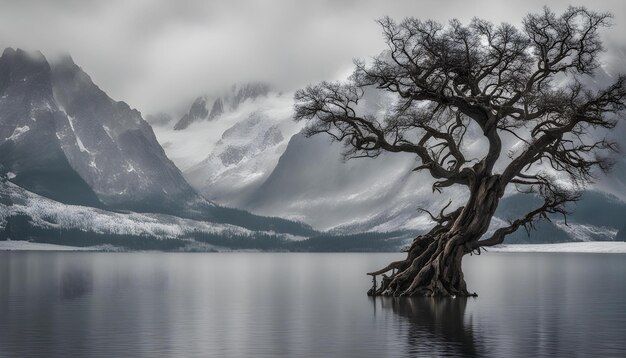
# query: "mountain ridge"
{"points": [[206, 108], [103, 145]]}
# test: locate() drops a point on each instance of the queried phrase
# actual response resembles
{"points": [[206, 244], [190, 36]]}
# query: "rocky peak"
{"points": [[227, 101], [60, 134], [197, 112], [249, 91], [23, 70], [217, 109]]}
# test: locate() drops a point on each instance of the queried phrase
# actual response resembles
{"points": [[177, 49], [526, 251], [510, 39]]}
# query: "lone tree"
{"points": [[525, 84]]}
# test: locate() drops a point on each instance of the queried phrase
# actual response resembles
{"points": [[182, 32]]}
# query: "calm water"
{"points": [[73, 304]]}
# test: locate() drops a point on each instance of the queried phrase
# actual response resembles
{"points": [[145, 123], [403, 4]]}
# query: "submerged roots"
{"points": [[432, 268]]}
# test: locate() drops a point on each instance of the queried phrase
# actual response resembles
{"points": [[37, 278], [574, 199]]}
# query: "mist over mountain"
{"points": [[118, 154], [306, 179], [35, 135], [159, 119], [59, 126], [229, 155], [65, 139], [206, 108]]}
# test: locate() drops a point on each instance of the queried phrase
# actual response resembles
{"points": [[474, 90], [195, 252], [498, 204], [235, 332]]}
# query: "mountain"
{"points": [[229, 160], [255, 159], [597, 216], [37, 144], [311, 181], [64, 138], [28, 216], [117, 152], [205, 108], [229, 156]]}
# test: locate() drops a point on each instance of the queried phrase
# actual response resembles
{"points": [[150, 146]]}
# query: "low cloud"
{"points": [[160, 54]]}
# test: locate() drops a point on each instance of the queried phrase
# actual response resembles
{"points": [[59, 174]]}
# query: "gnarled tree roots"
{"points": [[432, 268]]}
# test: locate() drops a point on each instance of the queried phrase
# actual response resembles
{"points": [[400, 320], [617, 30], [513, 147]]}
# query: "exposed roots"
{"points": [[432, 268]]}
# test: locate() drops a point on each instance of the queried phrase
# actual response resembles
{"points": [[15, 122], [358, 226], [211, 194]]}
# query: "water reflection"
{"points": [[434, 326], [303, 305], [75, 283]]}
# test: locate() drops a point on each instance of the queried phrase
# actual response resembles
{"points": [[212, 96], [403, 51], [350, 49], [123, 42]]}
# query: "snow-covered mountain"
{"points": [[206, 108], [255, 158], [33, 218], [48, 214], [311, 181], [117, 152], [36, 137], [64, 138], [237, 159], [228, 157], [55, 122]]}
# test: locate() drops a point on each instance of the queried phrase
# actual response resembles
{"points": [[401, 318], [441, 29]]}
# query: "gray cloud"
{"points": [[159, 54]]}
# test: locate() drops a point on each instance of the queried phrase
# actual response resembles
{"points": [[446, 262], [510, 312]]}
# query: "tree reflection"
{"points": [[436, 326]]}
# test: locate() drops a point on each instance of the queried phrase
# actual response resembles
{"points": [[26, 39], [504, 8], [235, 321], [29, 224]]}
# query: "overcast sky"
{"points": [[159, 54]]}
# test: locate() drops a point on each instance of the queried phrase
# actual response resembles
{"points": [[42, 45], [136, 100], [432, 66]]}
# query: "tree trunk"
{"points": [[433, 266]]}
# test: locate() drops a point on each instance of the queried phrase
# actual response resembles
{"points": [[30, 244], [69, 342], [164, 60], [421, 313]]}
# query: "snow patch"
{"points": [[582, 232], [12, 245], [582, 247], [108, 131], [81, 147], [130, 168], [47, 213], [188, 147], [18, 132]]}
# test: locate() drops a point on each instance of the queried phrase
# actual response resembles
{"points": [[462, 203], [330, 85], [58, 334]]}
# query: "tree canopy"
{"points": [[528, 83]]}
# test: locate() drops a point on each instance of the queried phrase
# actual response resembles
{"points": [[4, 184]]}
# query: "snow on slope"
{"points": [[47, 213], [232, 154], [117, 153], [313, 183], [18, 245], [574, 247], [582, 232], [190, 146], [305, 179], [66, 139], [230, 159]]}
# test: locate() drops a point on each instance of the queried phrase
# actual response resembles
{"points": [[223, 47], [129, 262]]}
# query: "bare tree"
{"points": [[526, 83]]}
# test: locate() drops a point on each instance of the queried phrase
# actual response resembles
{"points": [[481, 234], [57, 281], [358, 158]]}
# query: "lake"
{"points": [[152, 304]]}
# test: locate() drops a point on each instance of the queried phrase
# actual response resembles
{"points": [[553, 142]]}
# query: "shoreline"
{"points": [[568, 247]]}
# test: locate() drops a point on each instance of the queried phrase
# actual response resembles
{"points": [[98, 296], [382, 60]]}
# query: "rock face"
{"points": [[197, 112], [255, 162], [231, 152], [311, 181], [204, 108], [64, 138], [35, 135]]}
